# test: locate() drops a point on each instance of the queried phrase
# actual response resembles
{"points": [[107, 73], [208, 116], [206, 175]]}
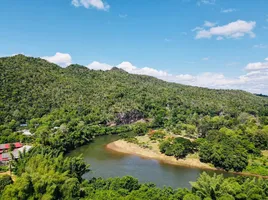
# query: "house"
{"points": [[4, 157], [5, 147]]}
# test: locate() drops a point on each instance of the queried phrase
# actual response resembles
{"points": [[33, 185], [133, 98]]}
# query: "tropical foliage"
{"points": [[67, 107], [178, 147], [51, 176]]}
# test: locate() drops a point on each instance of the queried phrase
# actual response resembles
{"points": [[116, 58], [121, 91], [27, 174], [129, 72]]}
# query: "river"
{"points": [[105, 163]]}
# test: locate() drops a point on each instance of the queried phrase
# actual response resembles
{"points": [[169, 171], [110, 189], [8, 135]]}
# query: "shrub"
{"points": [[4, 181]]}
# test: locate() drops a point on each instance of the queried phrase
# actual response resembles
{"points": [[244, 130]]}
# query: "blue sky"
{"points": [[209, 43]]}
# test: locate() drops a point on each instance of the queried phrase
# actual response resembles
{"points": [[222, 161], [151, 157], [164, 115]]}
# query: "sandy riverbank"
{"points": [[134, 149]]}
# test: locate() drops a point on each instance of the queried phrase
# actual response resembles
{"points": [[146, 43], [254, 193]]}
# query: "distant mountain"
{"points": [[32, 87], [262, 95]]}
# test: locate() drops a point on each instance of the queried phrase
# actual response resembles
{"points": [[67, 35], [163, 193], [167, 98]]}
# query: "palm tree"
{"points": [[207, 186], [20, 162]]}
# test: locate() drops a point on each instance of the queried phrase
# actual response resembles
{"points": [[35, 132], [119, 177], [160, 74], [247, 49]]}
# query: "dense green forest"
{"points": [[46, 96], [68, 107], [32, 88]]}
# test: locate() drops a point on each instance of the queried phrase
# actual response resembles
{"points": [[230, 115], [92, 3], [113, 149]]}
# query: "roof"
{"points": [[16, 154], [5, 156], [26, 147], [7, 146], [26, 132], [4, 146], [18, 144]]}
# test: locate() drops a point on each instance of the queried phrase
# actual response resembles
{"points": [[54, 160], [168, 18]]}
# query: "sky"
{"points": [[207, 43]]}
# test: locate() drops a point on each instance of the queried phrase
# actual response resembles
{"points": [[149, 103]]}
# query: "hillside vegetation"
{"points": [[32, 87], [67, 107], [53, 177]]}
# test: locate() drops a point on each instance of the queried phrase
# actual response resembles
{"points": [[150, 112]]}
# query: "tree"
{"points": [[140, 128], [4, 181], [224, 151], [207, 186], [178, 147]]}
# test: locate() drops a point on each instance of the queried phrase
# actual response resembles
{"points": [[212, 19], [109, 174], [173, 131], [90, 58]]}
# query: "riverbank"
{"points": [[134, 149], [124, 147]]}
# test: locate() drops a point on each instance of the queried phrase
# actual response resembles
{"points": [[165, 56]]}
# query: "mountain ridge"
{"points": [[32, 87]]}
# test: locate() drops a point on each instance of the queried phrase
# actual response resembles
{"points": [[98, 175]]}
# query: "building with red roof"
{"points": [[7, 146], [6, 156], [4, 148]]}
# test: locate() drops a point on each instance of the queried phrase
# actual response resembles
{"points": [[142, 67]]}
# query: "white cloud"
{"points": [[209, 24], [253, 81], [62, 59], [257, 66], [185, 77], [206, 24], [129, 67], [98, 4], [198, 28], [256, 81], [229, 10], [261, 46], [219, 38], [206, 2], [235, 29], [258, 76], [99, 66]]}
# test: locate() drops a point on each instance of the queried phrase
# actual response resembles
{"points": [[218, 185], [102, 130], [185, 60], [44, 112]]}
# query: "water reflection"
{"points": [[104, 163]]}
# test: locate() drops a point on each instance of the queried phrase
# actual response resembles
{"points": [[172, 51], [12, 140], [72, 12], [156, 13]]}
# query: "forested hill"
{"points": [[32, 87]]}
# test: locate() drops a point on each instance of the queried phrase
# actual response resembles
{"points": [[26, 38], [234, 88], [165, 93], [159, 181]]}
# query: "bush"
{"points": [[3, 168], [178, 147], [140, 128], [155, 135], [4, 181], [226, 153]]}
